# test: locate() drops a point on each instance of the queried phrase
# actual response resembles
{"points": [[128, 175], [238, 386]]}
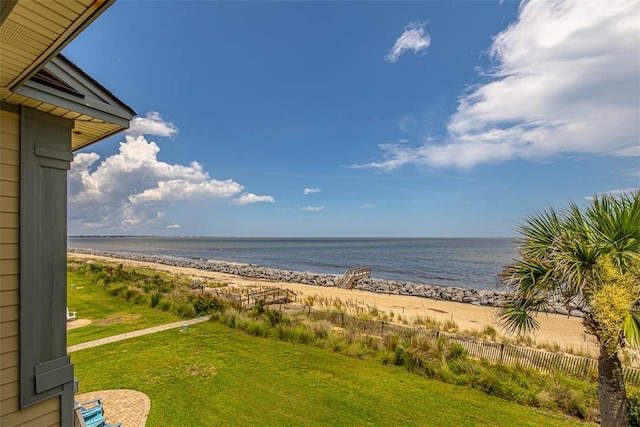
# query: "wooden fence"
{"points": [[508, 354]]}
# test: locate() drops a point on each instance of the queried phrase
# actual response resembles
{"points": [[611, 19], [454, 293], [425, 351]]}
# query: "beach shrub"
{"points": [[463, 368], [445, 374], [370, 342], [233, 318], [95, 268], [322, 329], [402, 358], [129, 293], [279, 332], [206, 304], [142, 299], [259, 309], [101, 278], [427, 321], [387, 357], [295, 333], [116, 290], [391, 341], [155, 299], [569, 395], [335, 343], [273, 317], [455, 351], [490, 331], [357, 350], [633, 405], [350, 333], [183, 309], [256, 328], [488, 381], [450, 326], [305, 335], [164, 304]]}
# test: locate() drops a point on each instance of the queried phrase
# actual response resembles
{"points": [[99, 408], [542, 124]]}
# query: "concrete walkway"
{"points": [[134, 334]]}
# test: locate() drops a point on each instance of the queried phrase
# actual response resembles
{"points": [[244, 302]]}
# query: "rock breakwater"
{"points": [[491, 298]]}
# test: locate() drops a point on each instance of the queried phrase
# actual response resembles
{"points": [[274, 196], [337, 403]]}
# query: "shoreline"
{"points": [[484, 297], [567, 332]]}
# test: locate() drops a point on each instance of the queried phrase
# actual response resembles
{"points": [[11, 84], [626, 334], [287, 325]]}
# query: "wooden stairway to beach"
{"points": [[271, 296], [351, 277], [250, 297]]}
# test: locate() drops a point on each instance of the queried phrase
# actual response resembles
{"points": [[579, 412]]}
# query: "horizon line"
{"points": [[284, 237]]}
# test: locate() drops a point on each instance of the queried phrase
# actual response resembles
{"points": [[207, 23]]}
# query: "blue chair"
{"points": [[92, 414]]}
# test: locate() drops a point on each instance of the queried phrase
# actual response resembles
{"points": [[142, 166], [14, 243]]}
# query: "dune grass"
{"points": [[213, 375]]}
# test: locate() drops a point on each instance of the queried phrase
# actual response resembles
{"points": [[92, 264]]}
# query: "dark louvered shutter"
{"points": [[45, 154]]}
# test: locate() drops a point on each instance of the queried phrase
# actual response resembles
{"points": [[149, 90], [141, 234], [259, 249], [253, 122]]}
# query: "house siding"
{"points": [[47, 412]]}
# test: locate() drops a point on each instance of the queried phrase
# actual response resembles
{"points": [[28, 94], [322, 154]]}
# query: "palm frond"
{"points": [[631, 329], [616, 219], [527, 274], [515, 318], [540, 233]]}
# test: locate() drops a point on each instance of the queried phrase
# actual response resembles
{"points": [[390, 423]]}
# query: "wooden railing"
{"points": [[248, 298], [272, 296], [351, 277]]}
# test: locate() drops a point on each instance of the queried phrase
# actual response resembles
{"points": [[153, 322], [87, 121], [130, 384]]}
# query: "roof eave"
{"points": [[87, 17]]}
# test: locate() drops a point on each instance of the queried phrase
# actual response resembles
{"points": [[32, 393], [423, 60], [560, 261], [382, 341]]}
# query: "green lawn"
{"points": [[213, 375], [109, 315]]}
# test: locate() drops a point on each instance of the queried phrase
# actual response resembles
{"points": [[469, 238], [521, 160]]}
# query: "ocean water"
{"points": [[469, 263]]}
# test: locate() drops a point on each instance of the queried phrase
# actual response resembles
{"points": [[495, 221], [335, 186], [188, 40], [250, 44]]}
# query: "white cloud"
{"points": [[312, 208], [566, 80], [632, 172], [367, 206], [151, 124], [407, 123], [413, 38], [616, 192], [395, 156], [133, 189], [308, 191], [632, 151], [249, 198], [172, 226], [181, 189]]}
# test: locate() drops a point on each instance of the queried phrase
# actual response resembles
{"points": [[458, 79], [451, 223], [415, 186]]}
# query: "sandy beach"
{"points": [[565, 331]]}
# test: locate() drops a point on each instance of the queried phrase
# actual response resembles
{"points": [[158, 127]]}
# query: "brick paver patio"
{"points": [[130, 407]]}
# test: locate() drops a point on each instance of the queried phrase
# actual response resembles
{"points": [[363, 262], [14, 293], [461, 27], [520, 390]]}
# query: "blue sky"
{"points": [[356, 119]]}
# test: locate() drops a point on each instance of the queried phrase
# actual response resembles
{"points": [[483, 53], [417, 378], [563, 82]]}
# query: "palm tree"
{"points": [[590, 259]]}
